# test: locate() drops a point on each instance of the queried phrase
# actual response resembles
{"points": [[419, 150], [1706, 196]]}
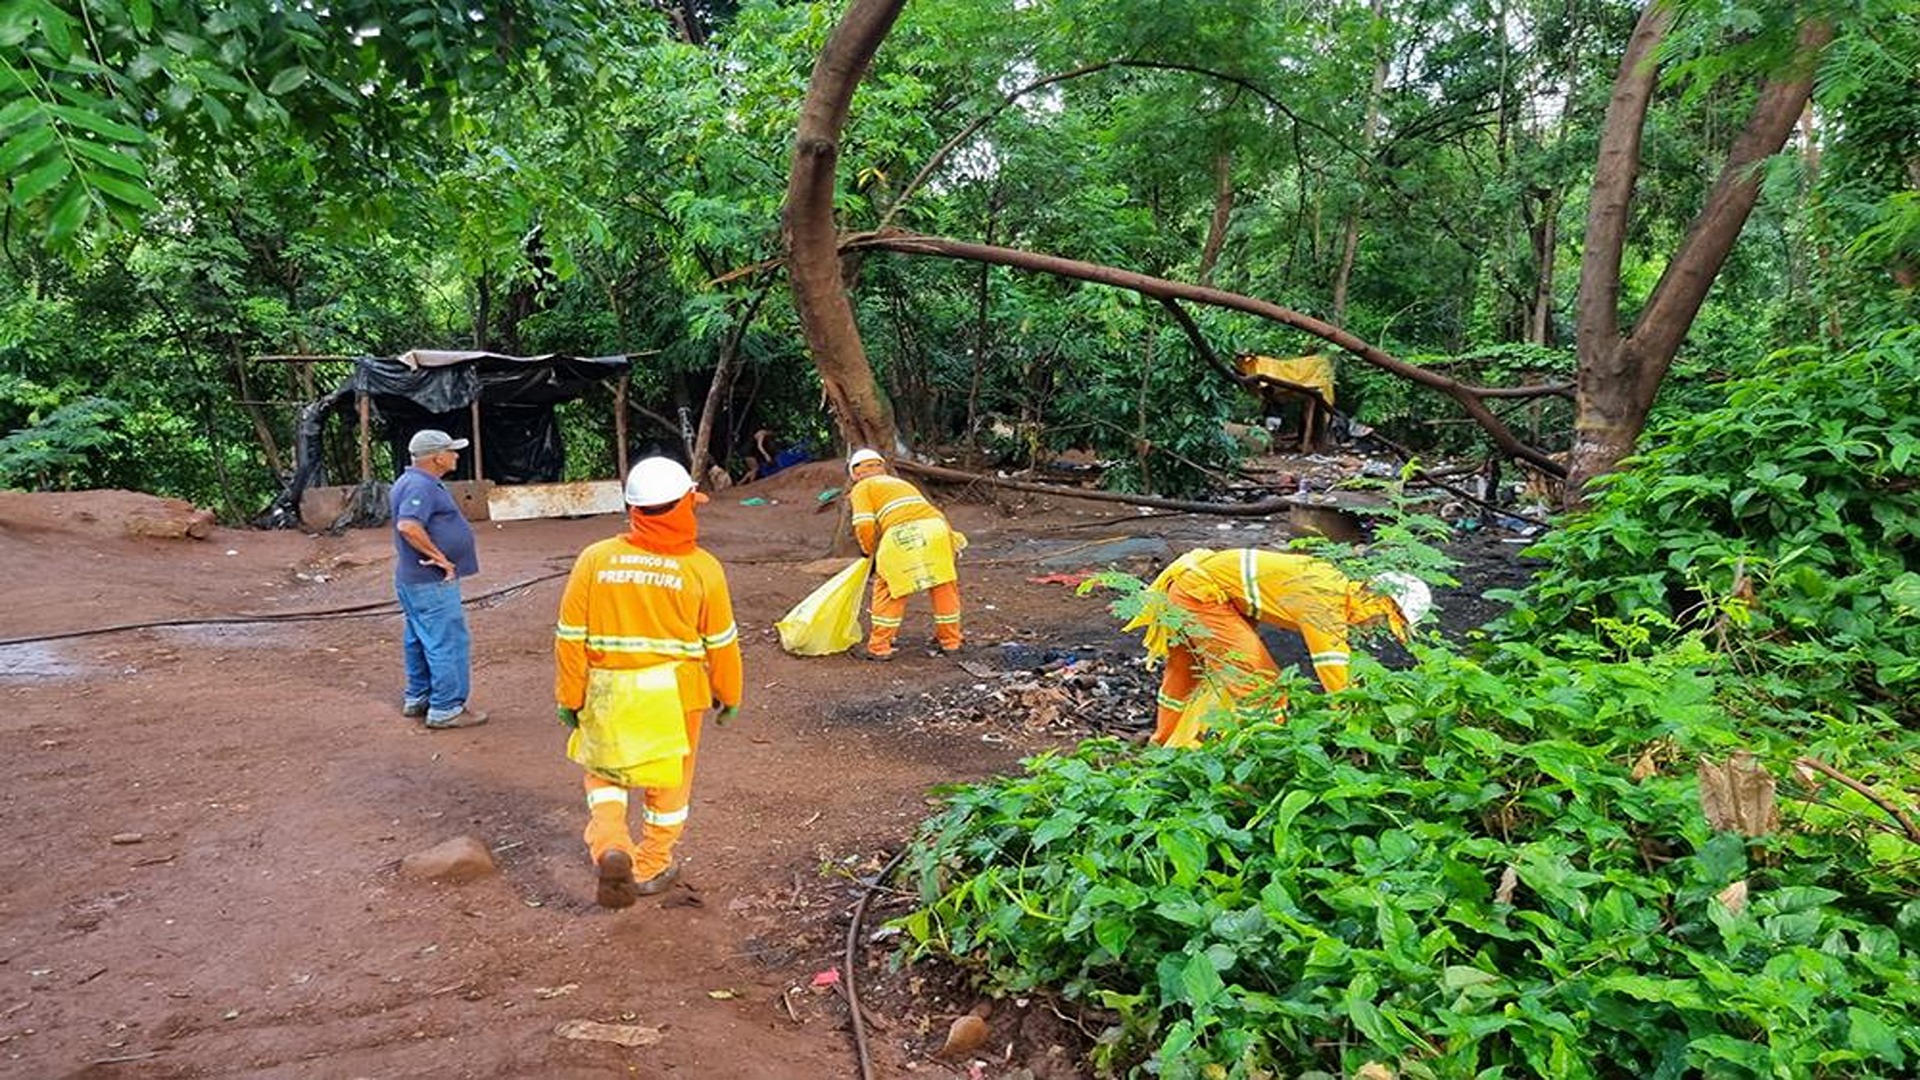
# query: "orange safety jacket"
{"points": [[1295, 592], [626, 607], [881, 502]]}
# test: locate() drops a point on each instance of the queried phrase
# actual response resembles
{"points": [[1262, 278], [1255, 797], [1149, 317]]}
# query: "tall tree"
{"points": [[1621, 372], [812, 235]]}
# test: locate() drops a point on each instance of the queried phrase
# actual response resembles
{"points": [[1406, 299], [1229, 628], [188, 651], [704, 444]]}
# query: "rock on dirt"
{"points": [[172, 520], [462, 858]]}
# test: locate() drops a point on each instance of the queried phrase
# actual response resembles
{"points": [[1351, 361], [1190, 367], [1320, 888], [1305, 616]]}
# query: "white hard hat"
{"points": [[657, 481], [860, 457], [1407, 592]]}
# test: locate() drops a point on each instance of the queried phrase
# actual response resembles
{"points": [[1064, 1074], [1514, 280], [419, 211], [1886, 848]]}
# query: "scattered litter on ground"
{"points": [[1077, 691]]}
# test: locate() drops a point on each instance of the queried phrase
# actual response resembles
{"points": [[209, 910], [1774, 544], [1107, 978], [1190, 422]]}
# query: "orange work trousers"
{"points": [[1223, 646], [888, 611], [663, 820]]}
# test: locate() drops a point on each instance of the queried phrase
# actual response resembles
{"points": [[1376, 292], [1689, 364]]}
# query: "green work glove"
{"points": [[569, 717], [726, 713]]}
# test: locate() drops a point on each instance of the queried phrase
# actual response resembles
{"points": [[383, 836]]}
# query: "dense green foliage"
{"points": [[1784, 524], [188, 188], [1328, 892]]}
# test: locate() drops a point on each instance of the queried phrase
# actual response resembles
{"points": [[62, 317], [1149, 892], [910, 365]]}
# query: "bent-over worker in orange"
{"points": [[1225, 595], [912, 547], [645, 644]]}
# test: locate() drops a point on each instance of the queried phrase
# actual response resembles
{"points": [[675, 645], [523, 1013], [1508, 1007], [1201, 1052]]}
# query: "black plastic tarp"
{"points": [[519, 434]]}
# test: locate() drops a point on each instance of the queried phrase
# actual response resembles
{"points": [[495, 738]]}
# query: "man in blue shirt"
{"points": [[433, 549]]}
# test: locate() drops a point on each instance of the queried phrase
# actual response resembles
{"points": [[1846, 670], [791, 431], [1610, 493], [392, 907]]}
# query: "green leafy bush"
{"points": [[1785, 523], [1467, 869], [49, 449]]}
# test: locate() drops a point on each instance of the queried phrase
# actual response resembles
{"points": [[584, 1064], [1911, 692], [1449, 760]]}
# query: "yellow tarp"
{"points": [[1312, 372]]}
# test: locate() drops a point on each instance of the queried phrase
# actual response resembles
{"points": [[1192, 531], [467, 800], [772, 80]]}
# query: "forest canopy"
{"points": [[189, 190]]}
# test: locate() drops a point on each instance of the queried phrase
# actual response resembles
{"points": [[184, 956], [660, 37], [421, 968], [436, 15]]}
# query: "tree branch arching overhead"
{"points": [[1618, 374], [1162, 289]]}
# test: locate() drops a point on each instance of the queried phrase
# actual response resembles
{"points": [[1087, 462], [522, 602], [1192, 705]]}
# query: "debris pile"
{"points": [[1019, 688]]}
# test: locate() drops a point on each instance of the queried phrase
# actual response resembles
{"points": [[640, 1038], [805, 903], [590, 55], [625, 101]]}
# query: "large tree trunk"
{"points": [[1620, 374], [812, 241]]}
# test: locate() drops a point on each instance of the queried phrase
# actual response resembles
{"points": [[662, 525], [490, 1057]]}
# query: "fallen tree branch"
{"points": [[1160, 288], [1872, 796], [959, 476]]}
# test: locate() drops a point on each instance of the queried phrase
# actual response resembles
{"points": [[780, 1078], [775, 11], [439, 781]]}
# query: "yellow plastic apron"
{"points": [[918, 555], [633, 729]]}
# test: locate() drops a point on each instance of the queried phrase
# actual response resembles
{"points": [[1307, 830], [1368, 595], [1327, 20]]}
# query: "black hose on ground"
{"points": [[351, 611], [853, 952]]}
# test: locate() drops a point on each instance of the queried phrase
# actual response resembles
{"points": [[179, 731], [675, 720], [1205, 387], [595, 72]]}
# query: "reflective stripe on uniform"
{"points": [[723, 638], [858, 518], [904, 500], [568, 632], [939, 619], [1168, 701], [1250, 581], [607, 794], [679, 647], [883, 620], [1322, 659], [666, 817]]}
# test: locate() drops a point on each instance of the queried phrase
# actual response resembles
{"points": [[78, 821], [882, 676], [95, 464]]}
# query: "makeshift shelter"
{"points": [[1304, 379], [504, 405]]}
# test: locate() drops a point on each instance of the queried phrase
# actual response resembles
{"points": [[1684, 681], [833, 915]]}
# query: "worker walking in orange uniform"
{"points": [[645, 644], [1225, 595], [913, 549]]}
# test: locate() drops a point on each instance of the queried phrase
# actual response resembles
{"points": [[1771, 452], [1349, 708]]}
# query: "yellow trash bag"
{"points": [[633, 728], [828, 620]]}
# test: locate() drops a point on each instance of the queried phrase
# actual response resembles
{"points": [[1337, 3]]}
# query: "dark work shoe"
{"points": [[878, 658], [413, 710], [659, 882], [616, 888], [463, 718]]}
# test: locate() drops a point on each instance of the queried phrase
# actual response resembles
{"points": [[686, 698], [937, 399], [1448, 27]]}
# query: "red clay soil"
{"points": [[202, 823]]}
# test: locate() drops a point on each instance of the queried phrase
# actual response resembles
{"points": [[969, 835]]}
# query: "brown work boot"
{"points": [[616, 888], [659, 882]]}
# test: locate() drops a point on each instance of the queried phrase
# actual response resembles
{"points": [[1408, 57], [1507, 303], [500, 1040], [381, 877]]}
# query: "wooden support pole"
{"points": [[365, 407], [620, 428], [474, 413]]}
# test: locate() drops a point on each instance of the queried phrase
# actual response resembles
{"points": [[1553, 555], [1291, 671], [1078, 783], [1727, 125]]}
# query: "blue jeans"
{"points": [[436, 646]]}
